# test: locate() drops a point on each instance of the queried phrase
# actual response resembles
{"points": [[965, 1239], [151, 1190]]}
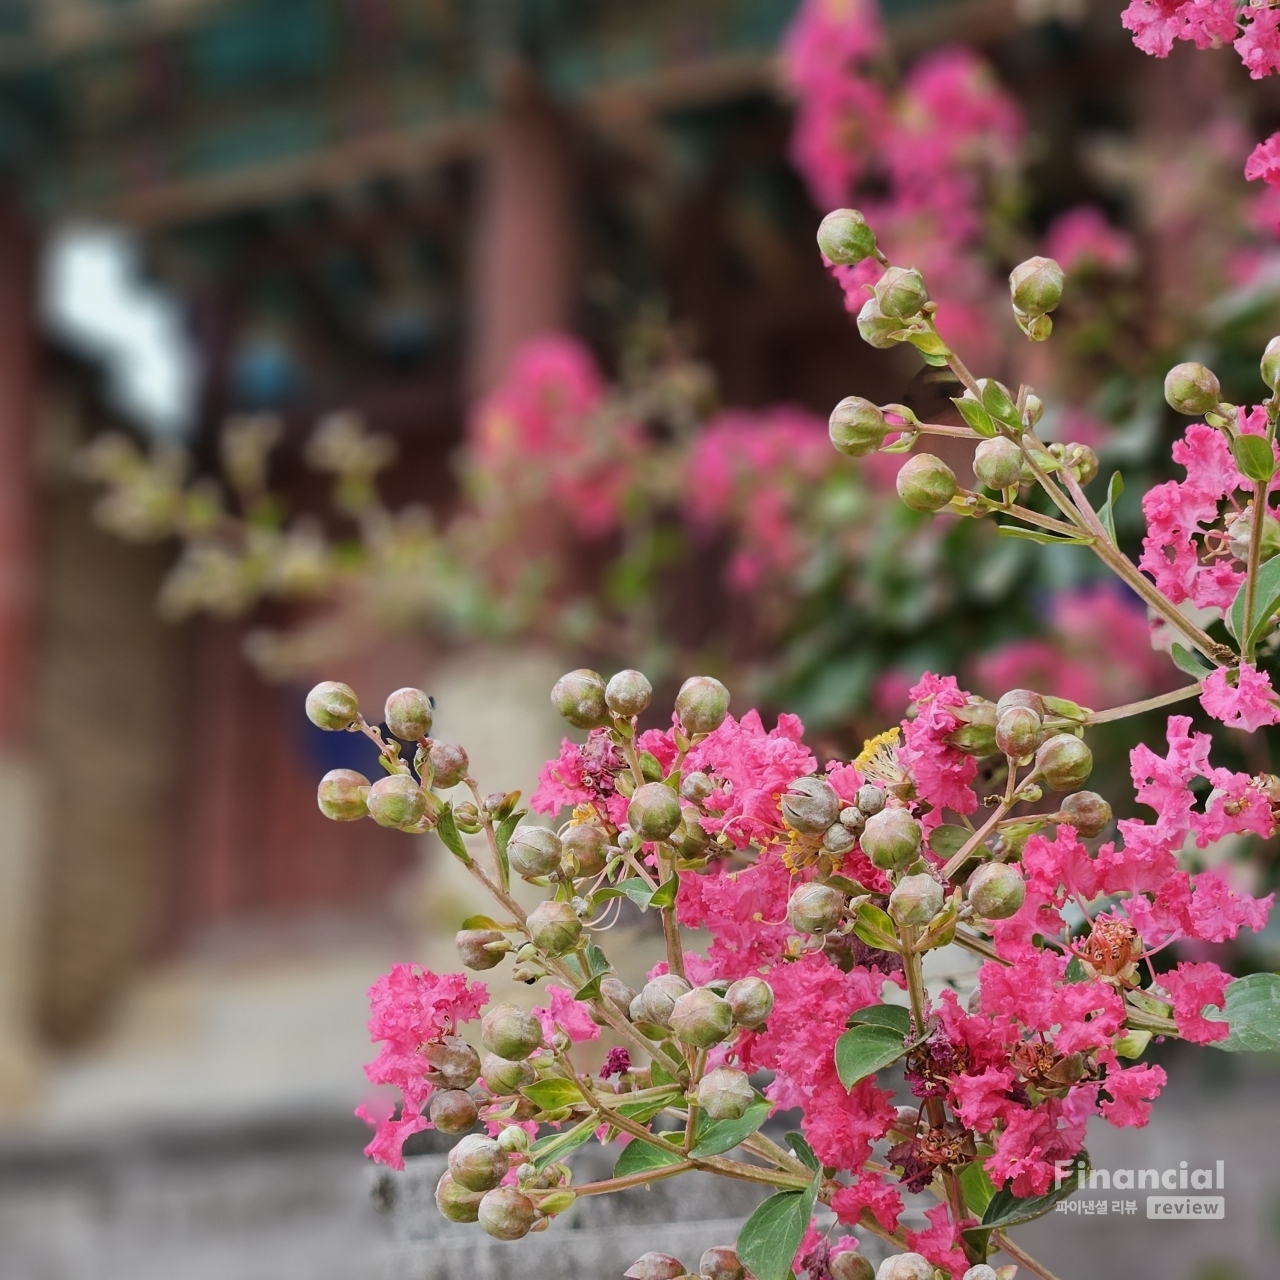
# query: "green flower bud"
{"points": [[343, 795], [615, 993], [701, 1018], [453, 1063], [1082, 462], [981, 1272], [926, 483], [1035, 286], [1018, 732], [453, 1110], [810, 805], [579, 698], [333, 705], [513, 1138], [408, 714], [997, 890], [655, 1266], [851, 1265], [815, 908], [725, 1093], [998, 463], [976, 734], [852, 818], [506, 1214], [696, 787], [455, 1202], [837, 839], [1087, 811], [554, 928], [628, 693], [510, 1032], [721, 1263], [1241, 531], [916, 900], [1192, 389], [870, 799], [900, 293], [449, 764], [1271, 363], [891, 838], [751, 1001], [876, 328], [857, 427], [906, 1266], [534, 851], [586, 849], [702, 704], [481, 949], [396, 801], [1020, 698], [658, 998], [478, 1163], [654, 812], [1064, 762], [845, 239], [690, 838], [504, 1076]]}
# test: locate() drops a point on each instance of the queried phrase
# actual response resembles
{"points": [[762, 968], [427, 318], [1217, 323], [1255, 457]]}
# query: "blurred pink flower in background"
{"points": [[1082, 239]]}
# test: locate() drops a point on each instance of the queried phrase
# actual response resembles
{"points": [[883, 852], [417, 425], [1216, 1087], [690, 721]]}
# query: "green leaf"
{"points": [[1040, 536], [948, 839], [769, 1239], [978, 1188], [799, 1144], [555, 1146], [893, 1016], [479, 922], [553, 1095], [1253, 1010], [714, 1137], [864, 1050], [1255, 457], [1075, 971], [996, 402], [447, 830], [1107, 512], [665, 894], [1007, 1210], [644, 1110], [502, 837], [929, 344], [637, 1157], [974, 415], [1265, 602], [875, 928], [1065, 708], [1192, 663]]}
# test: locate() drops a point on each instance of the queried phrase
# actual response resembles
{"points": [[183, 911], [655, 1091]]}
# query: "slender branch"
{"points": [[1021, 1256], [767, 1149], [960, 369], [670, 925], [937, 429], [961, 856], [1147, 704], [1036, 518], [977, 944], [641, 1179], [1251, 570]]}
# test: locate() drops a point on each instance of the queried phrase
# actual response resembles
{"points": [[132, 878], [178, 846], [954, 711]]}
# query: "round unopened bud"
{"points": [[690, 838], [579, 698], [891, 838], [534, 851], [658, 998], [510, 1032], [981, 1272], [906, 1266], [877, 329], [857, 427], [408, 714], [453, 1110], [504, 1076], [628, 693], [513, 1138], [998, 463], [478, 1163], [750, 1000], [870, 799], [1082, 462], [1087, 811], [838, 839], [696, 787], [455, 1202], [1192, 389], [853, 818], [815, 908], [1020, 698], [1035, 286], [1018, 732], [721, 1263], [1064, 762], [701, 1018], [654, 812], [554, 927], [845, 239], [810, 805], [900, 292], [396, 801], [916, 900], [506, 1214], [332, 705], [926, 483], [850, 1265], [481, 948], [449, 764], [615, 992], [725, 1093], [655, 1266], [1271, 364], [702, 704], [996, 890], [343, 795], [453, 1063], [586, 846]]}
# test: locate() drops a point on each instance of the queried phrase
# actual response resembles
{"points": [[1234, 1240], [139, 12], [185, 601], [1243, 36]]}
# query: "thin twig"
{"points": [[1148, 704], [1021, 1256]]}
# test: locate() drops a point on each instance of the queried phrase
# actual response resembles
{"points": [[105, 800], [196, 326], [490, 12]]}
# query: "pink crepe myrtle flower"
{"points": [[1192, 988], [1264, 162], [1259, 44], [568, 1015], [1131, 1091], [942, 772], [1247, 704], [1156, 24]]}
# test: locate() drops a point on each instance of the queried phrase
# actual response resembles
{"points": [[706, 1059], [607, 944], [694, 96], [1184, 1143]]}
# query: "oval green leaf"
{"points": [[864, 1050], [714, 1137], [769, 1239]]}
